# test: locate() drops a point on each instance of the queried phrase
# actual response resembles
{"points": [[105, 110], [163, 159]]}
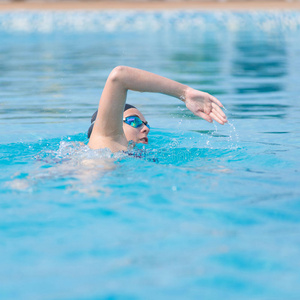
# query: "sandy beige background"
{"points": [[151, 5]]}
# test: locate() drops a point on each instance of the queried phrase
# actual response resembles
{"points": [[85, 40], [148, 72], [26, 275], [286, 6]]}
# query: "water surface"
{"points": [[205, 211]]}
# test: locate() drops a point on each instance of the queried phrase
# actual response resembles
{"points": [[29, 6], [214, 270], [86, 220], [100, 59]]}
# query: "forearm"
{"points": [[143, 81]]}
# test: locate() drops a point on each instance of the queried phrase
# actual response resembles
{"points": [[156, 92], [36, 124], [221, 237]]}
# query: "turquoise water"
{"points": [[206, 212]]}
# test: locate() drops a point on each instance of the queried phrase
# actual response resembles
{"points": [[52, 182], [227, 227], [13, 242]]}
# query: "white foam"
{"points": [[155, 21]]}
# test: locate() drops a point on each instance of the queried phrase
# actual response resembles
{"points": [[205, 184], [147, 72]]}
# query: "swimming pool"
{"points": [[208, 211]]}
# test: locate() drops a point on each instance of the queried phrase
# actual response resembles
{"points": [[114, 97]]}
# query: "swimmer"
{"points": [[116, 123]]}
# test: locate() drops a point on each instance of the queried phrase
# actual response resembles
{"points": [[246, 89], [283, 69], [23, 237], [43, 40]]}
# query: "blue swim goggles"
{"points": [[135, 121]]}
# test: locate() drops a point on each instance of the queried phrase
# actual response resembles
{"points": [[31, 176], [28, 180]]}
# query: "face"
{"points": [[139, 134]]}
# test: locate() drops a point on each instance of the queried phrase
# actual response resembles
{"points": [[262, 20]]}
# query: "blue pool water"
{"points": [[206, 212]]}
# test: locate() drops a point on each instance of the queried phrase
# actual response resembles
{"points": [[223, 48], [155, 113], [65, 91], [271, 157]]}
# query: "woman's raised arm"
{"points": [[108, 128]]}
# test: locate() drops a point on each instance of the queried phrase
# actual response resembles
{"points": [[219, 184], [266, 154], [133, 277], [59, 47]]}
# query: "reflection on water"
{"points": [[260, 111], [260, 56], [246, 63], [260, 61]]}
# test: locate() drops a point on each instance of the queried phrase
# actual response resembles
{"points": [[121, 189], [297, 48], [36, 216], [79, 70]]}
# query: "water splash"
{"points": [[77, 166], [233, 134], [73, 164]]}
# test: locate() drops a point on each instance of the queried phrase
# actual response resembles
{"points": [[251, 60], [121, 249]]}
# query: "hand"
{"points": [[204, 105]]}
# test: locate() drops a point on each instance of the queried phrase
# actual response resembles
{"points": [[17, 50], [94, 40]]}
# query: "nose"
{"points": [[145, 129]]}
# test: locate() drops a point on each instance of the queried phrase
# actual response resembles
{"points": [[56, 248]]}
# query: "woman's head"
{"points": [[135, 126]]}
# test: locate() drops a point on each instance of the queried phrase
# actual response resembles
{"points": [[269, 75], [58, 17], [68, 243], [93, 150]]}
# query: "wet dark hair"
{"points": [[94, 116]]}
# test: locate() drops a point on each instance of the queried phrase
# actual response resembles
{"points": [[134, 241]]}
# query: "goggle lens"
{"points": [[135, 122]]}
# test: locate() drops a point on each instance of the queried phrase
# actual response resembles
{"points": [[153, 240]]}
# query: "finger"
{"points": [[215, 100], [204, 116], [220, 115], [218, 110], [216, 118], [224, 120]]}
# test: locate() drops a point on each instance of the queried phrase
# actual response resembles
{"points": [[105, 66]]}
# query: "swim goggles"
{"points": [[135, 121]]}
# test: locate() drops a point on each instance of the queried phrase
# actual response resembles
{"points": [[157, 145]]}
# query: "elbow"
{"points": [[117, 74]]}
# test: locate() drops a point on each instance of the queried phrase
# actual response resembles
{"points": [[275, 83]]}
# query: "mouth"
{"points": [[144, 140]]}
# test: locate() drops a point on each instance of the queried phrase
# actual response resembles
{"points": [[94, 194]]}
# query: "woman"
{"points": [[116, 124]]}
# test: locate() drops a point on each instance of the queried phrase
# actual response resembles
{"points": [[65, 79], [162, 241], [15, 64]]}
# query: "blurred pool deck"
{"points": [[6, 5]]}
